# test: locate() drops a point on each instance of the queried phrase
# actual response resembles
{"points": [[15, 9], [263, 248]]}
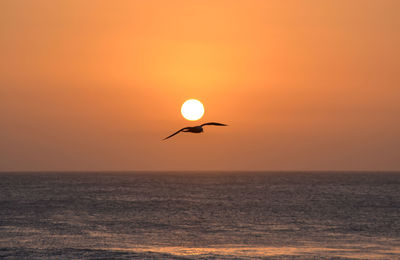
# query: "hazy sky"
{"points": [[304, 85]]}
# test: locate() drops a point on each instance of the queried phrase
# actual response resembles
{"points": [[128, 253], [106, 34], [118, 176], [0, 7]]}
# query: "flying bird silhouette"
{"points": [[194, 129]]}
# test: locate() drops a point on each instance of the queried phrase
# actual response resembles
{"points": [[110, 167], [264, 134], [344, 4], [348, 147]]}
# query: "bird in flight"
{"points": [[194, 129]]}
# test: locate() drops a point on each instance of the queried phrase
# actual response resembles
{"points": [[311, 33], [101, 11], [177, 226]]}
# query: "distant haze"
{"points": [[303, 85]]}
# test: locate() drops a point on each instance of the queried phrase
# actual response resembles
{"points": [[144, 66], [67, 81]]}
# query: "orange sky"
{"points": [[304, 85]]}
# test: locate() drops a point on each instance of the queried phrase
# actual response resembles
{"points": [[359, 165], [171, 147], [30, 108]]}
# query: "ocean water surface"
{"points": [[200, 215]]}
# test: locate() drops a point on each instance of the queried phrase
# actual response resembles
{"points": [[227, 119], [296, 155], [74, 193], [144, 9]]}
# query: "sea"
{"points": [[200, 215]]}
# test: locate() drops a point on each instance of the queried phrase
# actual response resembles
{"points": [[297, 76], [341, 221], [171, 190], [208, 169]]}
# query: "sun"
{"points": [[192, 109]]}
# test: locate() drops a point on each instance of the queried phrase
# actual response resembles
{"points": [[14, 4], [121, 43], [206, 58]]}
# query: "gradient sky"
{"points": [[304, 85]]}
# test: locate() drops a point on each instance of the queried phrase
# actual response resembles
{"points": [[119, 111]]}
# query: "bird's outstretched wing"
{"points": [[213, 123], [175, 133]]}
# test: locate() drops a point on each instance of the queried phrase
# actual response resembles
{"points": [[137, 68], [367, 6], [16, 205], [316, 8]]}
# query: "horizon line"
{"points": [[199, 171]]}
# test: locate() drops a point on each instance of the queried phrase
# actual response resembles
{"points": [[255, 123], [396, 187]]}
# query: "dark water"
{"points": [[199, 215]]}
